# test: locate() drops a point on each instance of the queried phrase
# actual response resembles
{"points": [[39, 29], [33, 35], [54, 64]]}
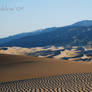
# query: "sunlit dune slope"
{"points": [[13, 67]]}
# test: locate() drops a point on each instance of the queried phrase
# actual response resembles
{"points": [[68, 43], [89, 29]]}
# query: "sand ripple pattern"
{"points": [[81, 82]]}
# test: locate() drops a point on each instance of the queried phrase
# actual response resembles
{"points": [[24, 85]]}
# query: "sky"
{"points": [[17, 16]]}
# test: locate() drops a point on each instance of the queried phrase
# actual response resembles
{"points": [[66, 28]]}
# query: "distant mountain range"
{"points": [[21, 35], [78, 34]]}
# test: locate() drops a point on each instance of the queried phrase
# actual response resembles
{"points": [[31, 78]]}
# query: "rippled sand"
{"points": [[78, 82]]}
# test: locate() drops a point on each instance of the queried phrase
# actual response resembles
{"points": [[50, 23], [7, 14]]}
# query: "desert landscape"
{"points": [[45, 46], [47, 61], [30, 62], [35, 74]]}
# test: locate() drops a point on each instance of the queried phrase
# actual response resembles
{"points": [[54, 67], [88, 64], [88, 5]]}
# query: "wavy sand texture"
{"points": [[78, 82]]}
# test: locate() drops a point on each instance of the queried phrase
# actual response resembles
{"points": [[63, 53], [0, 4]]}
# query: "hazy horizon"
{"points": [[34, 15]]}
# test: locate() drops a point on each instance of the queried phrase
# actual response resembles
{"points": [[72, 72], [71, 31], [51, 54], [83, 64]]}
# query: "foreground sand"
{"points": [[14, 67], [43, 75], [81, 82]]}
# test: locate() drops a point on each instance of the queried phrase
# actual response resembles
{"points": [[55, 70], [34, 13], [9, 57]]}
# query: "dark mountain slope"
{"points": [[63, 36], [22, 35], [18, 36]]}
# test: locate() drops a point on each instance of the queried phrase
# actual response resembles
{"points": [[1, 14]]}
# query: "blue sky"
{"points": [[38, 14]]}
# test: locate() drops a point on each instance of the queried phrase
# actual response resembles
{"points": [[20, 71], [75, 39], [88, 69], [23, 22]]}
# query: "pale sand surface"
{"points": [[14, 67], [27, 51]]}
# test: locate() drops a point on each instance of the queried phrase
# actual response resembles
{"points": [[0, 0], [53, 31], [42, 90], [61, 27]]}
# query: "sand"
{"points": [[14, 67], [81, 82], [27, 51], [43, 74]]}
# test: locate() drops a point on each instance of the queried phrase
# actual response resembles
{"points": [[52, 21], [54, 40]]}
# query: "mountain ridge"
{"points": [[69, 35], [85, 23]]}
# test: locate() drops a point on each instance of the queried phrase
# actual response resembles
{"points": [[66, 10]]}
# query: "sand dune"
{"points": [[32, 74], [14, 67], [27, 51]]}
